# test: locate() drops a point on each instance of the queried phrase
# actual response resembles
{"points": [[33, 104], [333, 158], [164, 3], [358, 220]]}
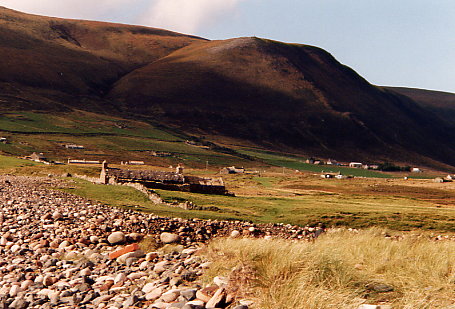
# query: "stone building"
{"points": [[164, 180]]}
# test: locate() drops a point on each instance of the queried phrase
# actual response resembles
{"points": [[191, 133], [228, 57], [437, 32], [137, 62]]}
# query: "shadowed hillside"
{"points": [[287, 97], [283, 95], [441, 103]]}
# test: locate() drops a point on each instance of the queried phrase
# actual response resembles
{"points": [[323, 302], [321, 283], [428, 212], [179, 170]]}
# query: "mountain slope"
{"points": [[441, 103], [75, 57], [283, 95], [287, 97]]}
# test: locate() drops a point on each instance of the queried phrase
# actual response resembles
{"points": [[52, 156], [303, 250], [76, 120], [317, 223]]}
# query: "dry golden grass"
{"points": [[340, 270], [148, 244]]}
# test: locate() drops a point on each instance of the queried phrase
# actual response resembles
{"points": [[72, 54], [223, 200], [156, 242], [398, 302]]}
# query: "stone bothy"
{"points": [[163, 180], [37, 157]]}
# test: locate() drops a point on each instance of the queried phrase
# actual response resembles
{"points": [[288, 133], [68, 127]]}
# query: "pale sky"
{"points": [[408, 43]]}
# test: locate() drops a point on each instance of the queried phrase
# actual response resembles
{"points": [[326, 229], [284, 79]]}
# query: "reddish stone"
{"points": [[37, 236], [125, 250], [207, 293], [107, 286], [84, 240], [44, 243]]}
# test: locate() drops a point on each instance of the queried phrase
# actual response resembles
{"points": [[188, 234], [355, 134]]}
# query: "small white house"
{"points": [[133, 163], [83, 161], [3, 140], [416, 170], [356, 165], [74, 146]]}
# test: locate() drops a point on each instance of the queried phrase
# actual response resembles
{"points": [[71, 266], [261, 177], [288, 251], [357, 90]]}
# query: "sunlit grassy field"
{"points": [[298, 163], [339, 270], [266, 201], [272, 197]]}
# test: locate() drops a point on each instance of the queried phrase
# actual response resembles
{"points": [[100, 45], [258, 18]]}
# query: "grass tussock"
{"points": [[148, 244], [340, 270]]}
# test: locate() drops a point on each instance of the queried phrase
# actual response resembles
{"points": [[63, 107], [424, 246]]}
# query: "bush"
{"points": [[390, 167]]}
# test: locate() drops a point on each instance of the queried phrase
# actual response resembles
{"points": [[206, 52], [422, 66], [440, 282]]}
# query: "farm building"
{"points": [[232, 170], [160, 154], [174, 181], [132, 163], [74, 146], [441, 180], [37, 157], [82, 161], [355, 165], [3, 140], [416, 170], [310, 161]]}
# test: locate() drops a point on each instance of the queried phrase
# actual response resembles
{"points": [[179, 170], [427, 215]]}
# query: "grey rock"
{"points": [[169, 238], [382, 288], [189, 294], [130, 301], [116, 238]]}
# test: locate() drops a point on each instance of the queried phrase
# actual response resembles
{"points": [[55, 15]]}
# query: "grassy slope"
{"points": [[104, 137], [297, 163], [7, 163], [77, 56], [441, 103]]}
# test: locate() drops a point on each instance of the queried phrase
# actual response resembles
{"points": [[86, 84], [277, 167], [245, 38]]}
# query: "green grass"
{"points": [[80, 123], [13, 163], [103, 137], [127, 197], [332, 209], [297, 163], [16, 166], [266, 182]]}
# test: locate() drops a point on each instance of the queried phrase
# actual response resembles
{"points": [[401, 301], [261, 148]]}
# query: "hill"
{"points": [[239, 92], [52, 60], [441, 103], [283, 96]]}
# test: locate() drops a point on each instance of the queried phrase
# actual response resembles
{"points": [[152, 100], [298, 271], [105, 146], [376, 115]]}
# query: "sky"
{"points": [[409, 43]]}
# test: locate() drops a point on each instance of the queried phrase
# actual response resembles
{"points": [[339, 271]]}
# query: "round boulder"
{"points": [[116, 238], [57, 216], [169, 238], [235, 234]]}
